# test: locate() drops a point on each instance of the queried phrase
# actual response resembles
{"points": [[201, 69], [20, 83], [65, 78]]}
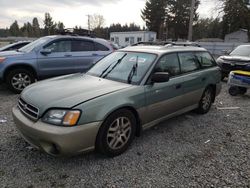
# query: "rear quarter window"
{"points": [[101, 47], [205, 59], [188, 62]]}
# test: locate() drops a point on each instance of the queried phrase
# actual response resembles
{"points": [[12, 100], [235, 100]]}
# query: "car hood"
{"points": [[236, 58], [68, 91], [10, 53]]}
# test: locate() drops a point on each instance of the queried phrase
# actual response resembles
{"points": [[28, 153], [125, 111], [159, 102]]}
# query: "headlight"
{"points": [[2, 59], [62, 117]]}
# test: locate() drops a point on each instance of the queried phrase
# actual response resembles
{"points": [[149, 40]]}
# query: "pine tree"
{"points": [[236, 16], [178, 14], [49, 26], [36, 28], [14, 29], [154, 15]]}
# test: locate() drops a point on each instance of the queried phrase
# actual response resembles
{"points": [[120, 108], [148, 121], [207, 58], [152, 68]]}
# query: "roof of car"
{"points": [[162, 49], [76, 37]]}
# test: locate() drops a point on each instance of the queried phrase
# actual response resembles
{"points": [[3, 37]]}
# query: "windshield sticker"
{"points": [[140, 59]]}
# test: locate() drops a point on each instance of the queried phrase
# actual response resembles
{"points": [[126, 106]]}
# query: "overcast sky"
{"points": [[74, 12]]}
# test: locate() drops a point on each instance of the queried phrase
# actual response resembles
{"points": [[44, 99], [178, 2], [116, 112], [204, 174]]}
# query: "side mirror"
{"points": [[45, 51], [160, 77]]}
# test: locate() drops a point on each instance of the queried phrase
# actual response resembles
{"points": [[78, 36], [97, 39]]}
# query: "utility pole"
{"points": [[190, 30], [88, 23]]}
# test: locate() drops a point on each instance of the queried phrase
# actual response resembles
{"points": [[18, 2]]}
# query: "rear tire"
{"points": [[116, 133], [18, 79], [206, 101], [234, 90]]}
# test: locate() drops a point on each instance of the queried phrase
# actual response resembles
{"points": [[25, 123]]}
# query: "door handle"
{"points": [[94, 54], [178, 86], [204, 79], [67, 55]]}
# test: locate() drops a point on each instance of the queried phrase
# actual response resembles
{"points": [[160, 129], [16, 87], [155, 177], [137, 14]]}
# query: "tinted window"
{"points": [[188, 62], [82, 45], [205, 59], [60, 46], [169, 63], [100, 47]]}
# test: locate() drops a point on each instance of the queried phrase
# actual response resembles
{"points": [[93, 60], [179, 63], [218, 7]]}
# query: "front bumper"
{"points": [[56, 140], [226, 68]]}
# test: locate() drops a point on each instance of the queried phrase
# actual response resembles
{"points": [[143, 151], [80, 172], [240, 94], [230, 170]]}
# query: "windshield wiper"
{"points": [[103, 75], [133, 71]]}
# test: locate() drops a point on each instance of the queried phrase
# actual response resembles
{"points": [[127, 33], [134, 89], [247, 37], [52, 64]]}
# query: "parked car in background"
{"points": [[238, 59], [50, 56], [14, 46], [128, 91]]}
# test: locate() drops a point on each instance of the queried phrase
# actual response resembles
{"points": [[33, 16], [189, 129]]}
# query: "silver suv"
{"points": [[51, 56]]}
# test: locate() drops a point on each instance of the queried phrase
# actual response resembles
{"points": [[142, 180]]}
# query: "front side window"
{"points": [[188, 62], [60, 46], [128, 67], [205, 59], [82, 45], [169, 63]]}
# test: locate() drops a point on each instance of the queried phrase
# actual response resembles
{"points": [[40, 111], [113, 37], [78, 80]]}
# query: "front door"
{"points": [[162, 99], [58, 61]]}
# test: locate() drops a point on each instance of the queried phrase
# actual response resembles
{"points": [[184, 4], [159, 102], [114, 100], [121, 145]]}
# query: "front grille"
{"points": [[28, 109]]}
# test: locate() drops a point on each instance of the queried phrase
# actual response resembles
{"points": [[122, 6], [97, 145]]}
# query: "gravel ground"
{"points": [[191, 150]]}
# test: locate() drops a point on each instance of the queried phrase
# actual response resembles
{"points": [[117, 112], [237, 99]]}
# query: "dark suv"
{"points": [[238, 59], [50, 56]]}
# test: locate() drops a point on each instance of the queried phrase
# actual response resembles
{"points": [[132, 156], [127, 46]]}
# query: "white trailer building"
{"points": [[128, 38]]}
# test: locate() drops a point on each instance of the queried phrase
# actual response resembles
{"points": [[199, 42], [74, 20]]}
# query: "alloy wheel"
{"points": [[207, 99], [119, 133], [20, 81]]}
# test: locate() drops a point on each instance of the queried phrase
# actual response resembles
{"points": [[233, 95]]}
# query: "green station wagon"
{"points": [[126, 92]]}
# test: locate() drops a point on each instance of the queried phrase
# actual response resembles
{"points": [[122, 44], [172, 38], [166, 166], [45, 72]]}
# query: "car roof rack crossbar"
{"points": [[76, 32]]}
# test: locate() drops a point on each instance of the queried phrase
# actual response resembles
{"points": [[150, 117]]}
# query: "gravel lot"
{"points": [[191, 150]]}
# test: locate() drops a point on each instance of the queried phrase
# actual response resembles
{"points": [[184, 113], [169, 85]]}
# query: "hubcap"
{"points": [[206, 101], [20, 81], [119, 133]]}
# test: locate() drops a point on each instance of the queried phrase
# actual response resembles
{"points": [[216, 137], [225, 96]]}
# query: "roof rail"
{"points": [[167, 44], [151, 43], [182, 44]]}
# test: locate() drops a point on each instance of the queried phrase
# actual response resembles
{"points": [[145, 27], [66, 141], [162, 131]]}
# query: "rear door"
{"points": [[193, 78], [84, 54], [163, 99]]}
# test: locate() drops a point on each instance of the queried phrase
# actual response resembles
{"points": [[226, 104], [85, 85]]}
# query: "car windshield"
{"points": [[128, 67], [32, 45], [241, 51]]}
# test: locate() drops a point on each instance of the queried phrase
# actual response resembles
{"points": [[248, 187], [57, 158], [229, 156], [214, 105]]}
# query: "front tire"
{"points": [[206, 101], [116, 133], [18, 79]]}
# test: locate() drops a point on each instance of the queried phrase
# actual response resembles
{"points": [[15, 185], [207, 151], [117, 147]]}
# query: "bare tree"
{"points": [[96, 21]]}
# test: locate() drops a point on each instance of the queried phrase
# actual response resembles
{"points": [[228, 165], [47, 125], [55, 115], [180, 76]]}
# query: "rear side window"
{"points": [[82, 45], [188, 62], [205, 59], [169, 63], [100, 47]]}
